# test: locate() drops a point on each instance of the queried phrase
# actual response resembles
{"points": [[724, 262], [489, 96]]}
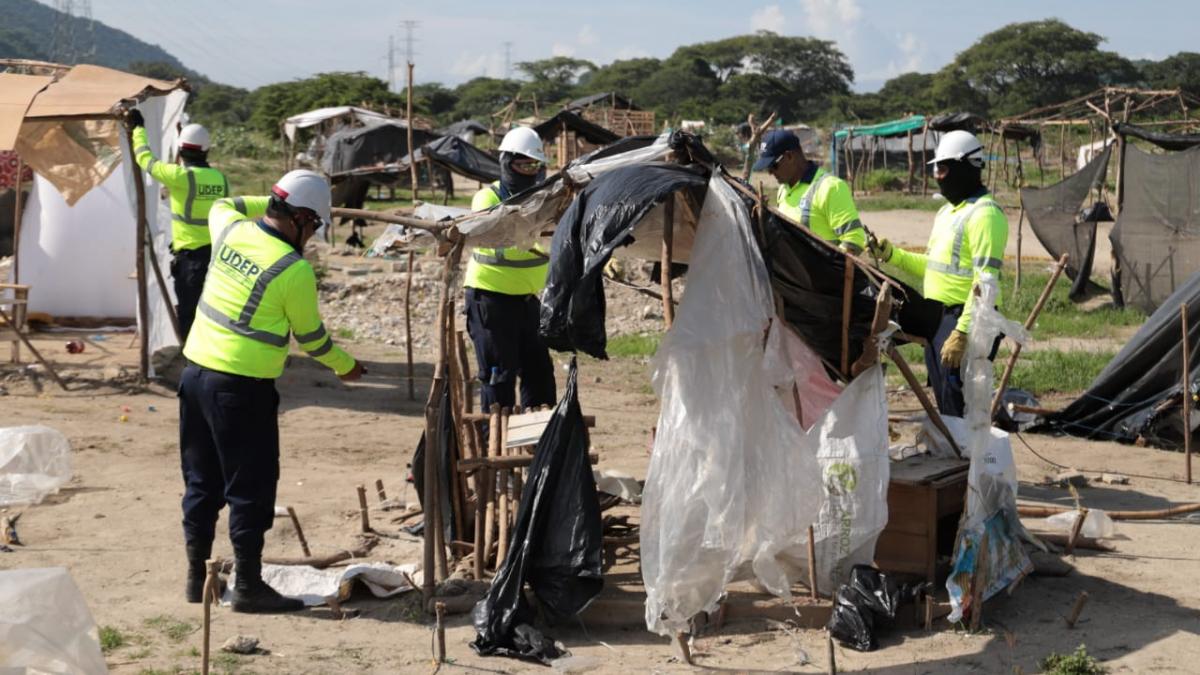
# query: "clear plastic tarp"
{"points": [[46, 626], [35, 461]]}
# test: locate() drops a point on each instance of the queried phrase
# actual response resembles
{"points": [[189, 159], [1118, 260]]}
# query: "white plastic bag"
{"points": [[46, 626], [34, 461], [1097, 524]]}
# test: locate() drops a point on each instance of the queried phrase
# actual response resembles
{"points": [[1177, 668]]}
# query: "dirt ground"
{"points": [[116, 527]]}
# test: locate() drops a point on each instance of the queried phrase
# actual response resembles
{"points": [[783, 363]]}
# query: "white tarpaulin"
{"points": [[315, 117], [315, 586], [46, 626], [34, 461], [734, 481]]}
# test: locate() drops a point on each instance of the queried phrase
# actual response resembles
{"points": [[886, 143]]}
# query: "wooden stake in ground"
{"points": [[143, 307], [379, 491], [831, 655], [1077, 608], [209, 593], [362, 508], [930, 409], [1187, 394], [299, 532], [412, 394], [681, 646], [439, 610], [928, 612], [667, 252], [812, 564], [1075, 530], [1029, 321]]}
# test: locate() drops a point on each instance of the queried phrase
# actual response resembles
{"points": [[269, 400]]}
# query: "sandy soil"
{"points": [[116, 528]]}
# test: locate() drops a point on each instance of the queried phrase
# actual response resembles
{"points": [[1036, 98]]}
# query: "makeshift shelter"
{"points": [[614, 112], [454, 154], [323, 122], [467, 130], [371, 151], [572, 136], [88, 211], [901, 144], [1138, 397]]}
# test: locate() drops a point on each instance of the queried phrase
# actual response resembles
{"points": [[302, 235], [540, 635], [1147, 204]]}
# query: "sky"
{"points": [[249, 43]]}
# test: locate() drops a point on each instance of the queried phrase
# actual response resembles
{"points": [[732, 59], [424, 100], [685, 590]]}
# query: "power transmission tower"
{"points": [[85, 50], [508, 60], [62, 42], [409, 26], [391, 59]]}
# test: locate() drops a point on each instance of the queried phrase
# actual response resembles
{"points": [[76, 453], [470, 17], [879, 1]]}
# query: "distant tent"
{"points": [[365, 150], [459, 156], [881, 146]]}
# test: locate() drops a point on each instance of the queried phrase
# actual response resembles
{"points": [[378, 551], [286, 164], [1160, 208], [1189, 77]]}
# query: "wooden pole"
{"points": [[908, 184], [379, 491], [210, 591], [362, 507], [162, 289], [812, 564], [16, 266], [847, 297], [930, 409], [412, 165], [1062, 152], [299, 532], [667, 250], [440, 612], [1077, 608], [143, 308], [1187, 393], [830, 654], [502, 484], [36, 354], [494, 450], [1076, 528], [924, 166], [1029, 321], [408, 342], [1020, 227]]}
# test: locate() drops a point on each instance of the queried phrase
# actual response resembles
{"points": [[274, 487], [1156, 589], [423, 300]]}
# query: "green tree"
{"points": [[622, 76], [907, 93], [552, 80], [680, 81], [210, 103], [480, 97], [272, 103], [1028, 65], [432, 98], [1179, 71]]}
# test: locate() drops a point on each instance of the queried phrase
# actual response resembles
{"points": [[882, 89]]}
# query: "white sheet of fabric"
{"points": [[45, 625], [315, 117], [35, 461], [314, 586], [734, 481]]}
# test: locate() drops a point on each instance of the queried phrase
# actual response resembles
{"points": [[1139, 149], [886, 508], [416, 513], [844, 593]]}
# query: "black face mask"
{"points": [[514, 181], [198, 158], [962, 180]]}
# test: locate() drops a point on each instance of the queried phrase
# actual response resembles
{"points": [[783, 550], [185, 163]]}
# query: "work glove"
{"points": [[954, 348], [881, 248], [134, 119]]}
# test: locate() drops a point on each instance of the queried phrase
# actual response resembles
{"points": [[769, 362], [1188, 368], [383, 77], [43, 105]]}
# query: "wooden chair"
{"points": [[14, 300]]}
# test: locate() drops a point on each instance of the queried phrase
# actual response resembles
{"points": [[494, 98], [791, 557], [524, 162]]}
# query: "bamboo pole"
{"points": [[494, 449], [930, 409], [412, 166], [209, 593], [363, 513], [143, 309], [458, 498], [667, 250], [408, 342], [812, 564], [1187, 393], [502, 478], [1029, 321]]}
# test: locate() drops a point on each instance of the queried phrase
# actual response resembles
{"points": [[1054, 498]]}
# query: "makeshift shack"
{"points": [[93, 240], [614, 112], [901, 145], [570, 136], [320, 124]]}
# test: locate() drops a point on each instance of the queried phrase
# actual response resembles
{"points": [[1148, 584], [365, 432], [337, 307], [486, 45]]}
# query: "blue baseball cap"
{"points": [[773, 145]]}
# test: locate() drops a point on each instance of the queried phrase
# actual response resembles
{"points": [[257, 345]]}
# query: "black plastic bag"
{"points": [[871, 598], [556, 545]]}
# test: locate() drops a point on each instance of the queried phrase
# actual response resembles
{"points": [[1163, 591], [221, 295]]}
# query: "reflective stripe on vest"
{"points": [[960, 229], [807, 200], [241, 325], [499, 260], [186, 217]]}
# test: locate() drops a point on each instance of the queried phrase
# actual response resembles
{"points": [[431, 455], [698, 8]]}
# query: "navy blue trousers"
{"points": [[188, 270], [947, 383], [229, 447], [504, 330]]}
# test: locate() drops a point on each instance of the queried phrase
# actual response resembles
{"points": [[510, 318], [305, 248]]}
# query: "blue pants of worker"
{"points": [[229, 446], [188, 270], [504, 330], [947, 383]]}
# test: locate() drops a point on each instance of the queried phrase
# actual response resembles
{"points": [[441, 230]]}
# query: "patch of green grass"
{"points": [[634, 345], [111, 638], [173, 629], [1060, 317], [897, 201], [1078, 662], [1046, 371], [344, 333]]}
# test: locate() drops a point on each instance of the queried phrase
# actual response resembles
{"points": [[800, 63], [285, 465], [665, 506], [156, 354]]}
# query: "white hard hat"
{"points": [[523, 141], [304, 189], [957, 146], [193, 137]]}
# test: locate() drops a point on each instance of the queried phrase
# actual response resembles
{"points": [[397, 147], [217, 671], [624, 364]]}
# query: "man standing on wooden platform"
{"points": [[195, 187], [809, 195], [259, 292], [968, 238], [502, 287]]}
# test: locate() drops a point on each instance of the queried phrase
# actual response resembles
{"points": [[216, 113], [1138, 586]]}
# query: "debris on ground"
{"points": [[241, 644], [1071, 477]]}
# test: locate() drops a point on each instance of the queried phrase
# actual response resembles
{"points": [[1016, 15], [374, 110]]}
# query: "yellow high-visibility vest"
{"points": [[258, 291], [966, 240], [193, 190], [512, 270], [825, 207]]}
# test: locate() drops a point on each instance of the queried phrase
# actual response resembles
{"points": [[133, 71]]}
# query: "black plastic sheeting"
{"points": [[458, 156], [963, 121], [600, 219], [447, 441], [556, 545], [588, 131], [1162, 140], [360, 147], [1137, 395], [1055, 215], [863, 606]]}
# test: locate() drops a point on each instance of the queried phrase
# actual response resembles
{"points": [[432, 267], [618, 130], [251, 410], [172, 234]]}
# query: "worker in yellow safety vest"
{"points": [[502, 287], [194, 187], [968, 238], [260, 292], [809, 195]]}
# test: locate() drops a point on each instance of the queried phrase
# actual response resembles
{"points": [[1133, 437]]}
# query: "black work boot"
{"points": [[252, 595], [197, 556]]}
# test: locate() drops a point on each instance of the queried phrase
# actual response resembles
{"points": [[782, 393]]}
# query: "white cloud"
{"points": [[912, 50], [630, 52], [586, 37], [468, 66], [769, 18], [561, 49], [831, 18]]}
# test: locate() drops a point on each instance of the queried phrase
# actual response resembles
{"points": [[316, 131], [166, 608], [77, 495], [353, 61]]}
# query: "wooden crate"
{"points": [[926, 496]]}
